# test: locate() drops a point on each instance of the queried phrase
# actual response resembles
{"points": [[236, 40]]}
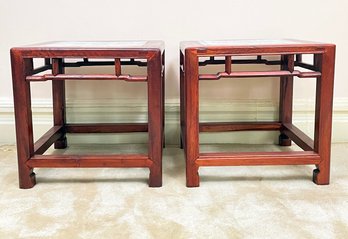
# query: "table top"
{"points": [[245, 43], [103, 45]]}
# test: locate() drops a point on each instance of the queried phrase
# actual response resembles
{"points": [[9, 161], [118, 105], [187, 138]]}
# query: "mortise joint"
{"points": [[117, 66], [228, 64]]}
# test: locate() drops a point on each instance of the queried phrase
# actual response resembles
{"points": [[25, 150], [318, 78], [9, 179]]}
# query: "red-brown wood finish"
{"points": [[58, 94], [24, 126], [155, 117], [323, 117], [31, 155], [316, 152], [191, 129], [286, 97]]}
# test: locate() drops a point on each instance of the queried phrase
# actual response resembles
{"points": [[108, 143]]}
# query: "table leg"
{"points": [[182, 103], [155, 118], [323, 114], [163, 100], [58, 93], [286, 97], [21, 67], [191, 118]]}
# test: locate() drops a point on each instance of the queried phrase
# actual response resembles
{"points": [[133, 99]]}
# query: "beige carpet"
{"points": [[232, 202]]}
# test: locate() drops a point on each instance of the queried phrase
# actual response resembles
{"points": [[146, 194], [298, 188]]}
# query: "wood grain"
{"points": [[60, 77], [24, 126], [245, 74], [45, 141], [238, 126], [89, 161], [259, 158], [323, 115], [300, 138], [107, 128]]}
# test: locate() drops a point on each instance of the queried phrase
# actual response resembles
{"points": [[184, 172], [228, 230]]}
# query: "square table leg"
{"points": [[155, 118], [323, 114], [182, 101], [191, 118], [286, 97], [58, 94], [21, 67], [163, 97]]}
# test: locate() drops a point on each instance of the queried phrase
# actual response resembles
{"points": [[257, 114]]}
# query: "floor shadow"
{"points": [[175, 162], [92, 180], [253, 178]]}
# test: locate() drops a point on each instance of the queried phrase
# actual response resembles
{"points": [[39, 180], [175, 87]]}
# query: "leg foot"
{"points": [[192, 177], [61, 143], [320, 177], [155, 179], [284, 140], [26, 182]]}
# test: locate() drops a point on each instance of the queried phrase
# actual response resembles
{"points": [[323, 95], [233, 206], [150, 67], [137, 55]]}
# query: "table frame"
{"points": [[316, 152], [31, 154]]}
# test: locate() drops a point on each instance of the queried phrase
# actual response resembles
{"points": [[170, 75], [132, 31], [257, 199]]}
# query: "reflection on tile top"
{"points": [[247, 42], [96, 44]]}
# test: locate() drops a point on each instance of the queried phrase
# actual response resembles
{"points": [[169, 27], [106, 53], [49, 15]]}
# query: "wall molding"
{"points": [[130, 110]]}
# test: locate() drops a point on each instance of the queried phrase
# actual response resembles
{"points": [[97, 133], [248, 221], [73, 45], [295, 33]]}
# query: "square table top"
{"points": [[102, 45], [245, 43]]}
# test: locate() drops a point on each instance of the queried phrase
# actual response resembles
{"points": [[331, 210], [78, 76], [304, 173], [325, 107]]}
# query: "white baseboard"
{"points": [[128, 110]]}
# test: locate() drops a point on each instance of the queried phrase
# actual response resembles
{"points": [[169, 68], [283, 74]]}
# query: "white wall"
{"points": [[25, 22]]}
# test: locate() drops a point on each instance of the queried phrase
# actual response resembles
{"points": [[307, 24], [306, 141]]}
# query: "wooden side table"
{"points": [[140, 53], [316, 152]]}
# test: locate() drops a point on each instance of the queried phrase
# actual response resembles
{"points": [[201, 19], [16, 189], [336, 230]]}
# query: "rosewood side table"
{"points": [[138, 53], [315, 152]]}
